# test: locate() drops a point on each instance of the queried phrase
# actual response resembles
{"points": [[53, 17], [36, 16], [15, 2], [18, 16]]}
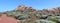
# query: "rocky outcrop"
{"points": [[51, 10], [22, 7]]}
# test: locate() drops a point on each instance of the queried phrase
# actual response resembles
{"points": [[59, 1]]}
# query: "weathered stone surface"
{"points": [[21, 7]]}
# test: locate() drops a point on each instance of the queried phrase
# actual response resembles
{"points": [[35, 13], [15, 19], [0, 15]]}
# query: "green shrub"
{"points": [[53, 19]]}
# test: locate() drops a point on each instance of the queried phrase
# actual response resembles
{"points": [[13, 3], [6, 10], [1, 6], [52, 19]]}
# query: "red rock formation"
{"points": [[21, 7], [51, 10], [28, 7]]}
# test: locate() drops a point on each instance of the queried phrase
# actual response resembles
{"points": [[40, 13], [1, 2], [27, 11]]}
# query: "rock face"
{"points": [[5, 19], [52, 10], [22, 7]]}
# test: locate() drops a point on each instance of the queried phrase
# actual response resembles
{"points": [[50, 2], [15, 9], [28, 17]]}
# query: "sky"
{"points": [[7, 5]]}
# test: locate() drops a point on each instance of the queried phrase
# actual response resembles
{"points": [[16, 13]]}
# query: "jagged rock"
{"points": [[28, 7], [20, 7], [52, 10]]}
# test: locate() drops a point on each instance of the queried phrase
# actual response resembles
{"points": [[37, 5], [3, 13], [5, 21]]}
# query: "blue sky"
{"points": [[37, 4]]}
